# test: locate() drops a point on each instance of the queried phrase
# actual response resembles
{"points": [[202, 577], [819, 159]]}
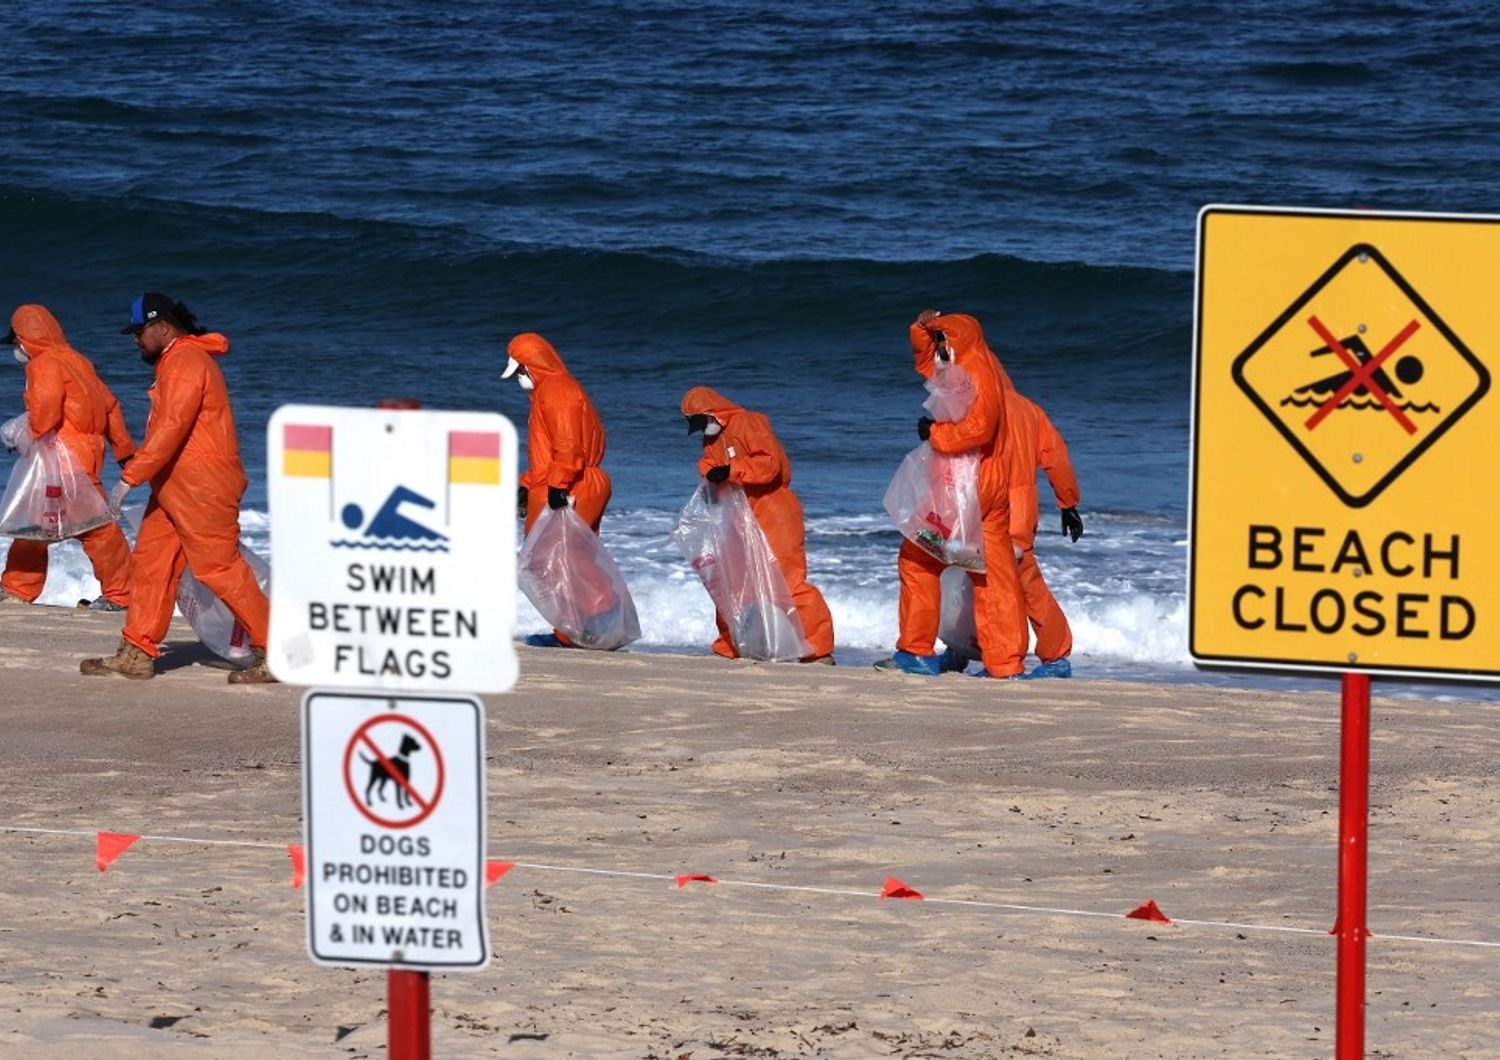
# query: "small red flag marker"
{"points": [[493, 870], [894, 888], [110, 845], [298, 854], [1149, 911], [696, 877]]}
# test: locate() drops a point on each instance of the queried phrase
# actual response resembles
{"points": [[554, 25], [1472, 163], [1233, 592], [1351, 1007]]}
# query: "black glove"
{"points": [[557, 498], [522, 496], [718, 474], [924, 427], [1072, 523]]}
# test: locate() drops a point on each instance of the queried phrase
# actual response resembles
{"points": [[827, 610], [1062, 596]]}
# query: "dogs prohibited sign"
{"points": [[394, 816], [1344, 506]]}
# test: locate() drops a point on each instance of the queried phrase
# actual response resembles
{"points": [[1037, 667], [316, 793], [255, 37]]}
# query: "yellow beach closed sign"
{"points": [[1345, 513]]}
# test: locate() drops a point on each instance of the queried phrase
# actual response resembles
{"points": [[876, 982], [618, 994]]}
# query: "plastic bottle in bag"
{"points": [[717, 533], [573, 582]]}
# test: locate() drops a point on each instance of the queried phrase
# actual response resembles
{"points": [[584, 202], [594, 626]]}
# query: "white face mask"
{"points": [[21, 357], [527, 383], [713, 428]]}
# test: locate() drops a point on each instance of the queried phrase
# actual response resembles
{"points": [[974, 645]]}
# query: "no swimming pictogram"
{"points": [[393, 771], [1360, 416]]}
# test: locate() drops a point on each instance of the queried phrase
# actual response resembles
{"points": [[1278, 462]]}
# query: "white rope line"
{"points": [[155, 838], [797, 888]]}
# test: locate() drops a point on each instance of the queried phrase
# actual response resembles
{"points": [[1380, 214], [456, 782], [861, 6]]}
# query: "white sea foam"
{"points": [[1121, 588]]}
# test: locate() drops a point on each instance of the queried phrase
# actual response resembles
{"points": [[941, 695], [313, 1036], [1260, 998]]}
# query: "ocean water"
{"points": [[369, 198]]}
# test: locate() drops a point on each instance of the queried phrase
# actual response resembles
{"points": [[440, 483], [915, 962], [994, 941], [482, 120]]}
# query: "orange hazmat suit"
{"points": [[65, 394], [191, 458], [756, 461], [1031, 442], [564, 435], [999, 613]]}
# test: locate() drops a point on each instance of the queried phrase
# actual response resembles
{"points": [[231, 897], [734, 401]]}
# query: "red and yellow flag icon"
{"points": [[307, 451], [474, 458]]}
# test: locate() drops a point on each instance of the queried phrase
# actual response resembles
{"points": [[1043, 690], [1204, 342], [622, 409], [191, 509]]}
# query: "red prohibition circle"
{"points": [[437, 757]]}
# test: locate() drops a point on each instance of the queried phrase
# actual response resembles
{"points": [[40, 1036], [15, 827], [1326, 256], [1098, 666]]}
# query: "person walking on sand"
{"points": [[564, 445], [739, 446], [65, 394], [191, 458], [1033, 444], [1000, 615]]}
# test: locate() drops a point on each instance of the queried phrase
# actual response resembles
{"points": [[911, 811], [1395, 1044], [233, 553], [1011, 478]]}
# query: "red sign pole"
{"points": [[410, 1014], [1354, 825], [408, 1004]]}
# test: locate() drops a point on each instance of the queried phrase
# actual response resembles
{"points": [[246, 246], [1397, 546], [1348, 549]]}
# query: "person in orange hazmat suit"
{"points": [[739, 446], [191, 458], [65, 394], [1033, 443], [564, 444], [999, 613]]}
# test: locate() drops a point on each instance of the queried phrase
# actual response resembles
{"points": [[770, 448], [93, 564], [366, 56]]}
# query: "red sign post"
{"points": [[1354, 835]]}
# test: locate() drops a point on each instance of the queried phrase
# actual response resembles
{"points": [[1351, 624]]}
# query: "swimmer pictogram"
{"points": [[1360, 375], [391, 529]]}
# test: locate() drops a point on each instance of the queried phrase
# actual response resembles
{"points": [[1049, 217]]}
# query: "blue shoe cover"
{"points": [[544, 640], [910, 663], [1056, 668]]}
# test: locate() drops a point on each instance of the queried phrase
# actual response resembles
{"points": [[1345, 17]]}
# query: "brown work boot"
{"points": [[129, 661], [256, 673]]}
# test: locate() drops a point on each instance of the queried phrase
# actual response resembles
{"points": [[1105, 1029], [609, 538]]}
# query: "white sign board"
{"points": [[394, 824], [393, 546]]}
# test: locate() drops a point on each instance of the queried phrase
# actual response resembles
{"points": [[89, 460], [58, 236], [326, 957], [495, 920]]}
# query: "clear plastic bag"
{"points": [[957, 628], [933, 498], [50, 496], [15, 434], [211, 620], [719, 537], [571, 579]]}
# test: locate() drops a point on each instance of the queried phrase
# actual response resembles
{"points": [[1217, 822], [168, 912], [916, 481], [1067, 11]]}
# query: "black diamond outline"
{"points": [[1237, 371]]}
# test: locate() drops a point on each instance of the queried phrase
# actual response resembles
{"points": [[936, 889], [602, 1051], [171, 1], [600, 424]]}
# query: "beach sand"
{"points": [[1085, 796]]}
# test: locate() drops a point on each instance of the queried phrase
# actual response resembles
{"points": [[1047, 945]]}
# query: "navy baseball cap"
{"points": [[147, 308]]}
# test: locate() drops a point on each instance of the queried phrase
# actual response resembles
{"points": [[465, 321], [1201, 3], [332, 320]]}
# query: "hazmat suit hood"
{"points": [[965, 338], [706, 401], [537, 356], [210, 342], [38, 330]]}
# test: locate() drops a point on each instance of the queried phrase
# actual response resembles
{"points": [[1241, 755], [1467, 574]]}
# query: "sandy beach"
{"points": [[1066, 798]]}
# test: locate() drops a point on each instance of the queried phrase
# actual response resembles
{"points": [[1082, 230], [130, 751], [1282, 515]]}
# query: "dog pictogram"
{"points": [[381, 773], [394, 751]]}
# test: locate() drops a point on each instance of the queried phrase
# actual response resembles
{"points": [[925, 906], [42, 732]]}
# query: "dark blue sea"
{"points": [[370, 198]]}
